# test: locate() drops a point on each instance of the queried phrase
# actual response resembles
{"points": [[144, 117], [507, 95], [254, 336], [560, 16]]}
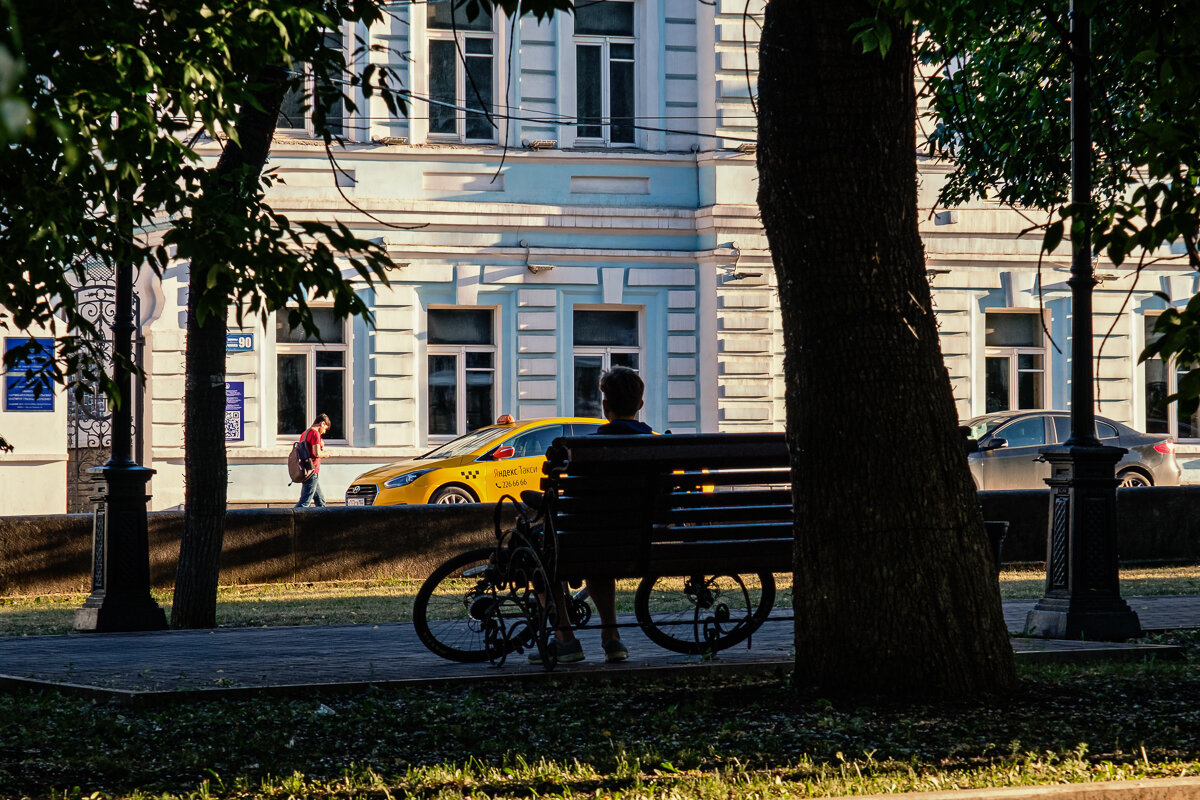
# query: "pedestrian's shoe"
{"points": [[615, 650], [568, 653]]}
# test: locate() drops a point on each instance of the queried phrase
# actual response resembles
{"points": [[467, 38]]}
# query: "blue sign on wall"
{"points": [[20, 393], [235, 411], [239, 342]]}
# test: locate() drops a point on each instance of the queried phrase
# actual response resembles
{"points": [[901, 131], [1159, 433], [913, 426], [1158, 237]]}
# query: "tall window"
{"points": [[311, 374], [295, 115], [602, 339], [1015, 366], [462, 370], [461, 72], [604, 74], [1162, 379]]}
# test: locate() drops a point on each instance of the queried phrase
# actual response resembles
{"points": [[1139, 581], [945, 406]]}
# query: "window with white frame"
{"points": [[462, 75], [604, 72], [462, 370], [311, 374], [1161, 380], [295, 114], [603, 339], [1015, 362]]}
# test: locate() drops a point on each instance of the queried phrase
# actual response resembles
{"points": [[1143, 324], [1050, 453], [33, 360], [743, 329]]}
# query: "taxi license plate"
{"points": [[356, 501]]}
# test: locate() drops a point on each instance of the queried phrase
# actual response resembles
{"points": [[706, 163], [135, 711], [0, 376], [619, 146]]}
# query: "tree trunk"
{"points": [[894, 590], [206, 470]]}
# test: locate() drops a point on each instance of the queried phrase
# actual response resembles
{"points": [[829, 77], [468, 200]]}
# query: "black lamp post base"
{"points": [[120, 598], [1083, 596], [101, 614], [1064, 618]]}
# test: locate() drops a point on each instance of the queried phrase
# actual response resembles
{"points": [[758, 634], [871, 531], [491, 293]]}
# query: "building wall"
{"points": [[668, 227]]}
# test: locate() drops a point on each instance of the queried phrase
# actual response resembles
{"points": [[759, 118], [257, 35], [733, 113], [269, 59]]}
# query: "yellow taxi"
{"points": [[480, 467]]}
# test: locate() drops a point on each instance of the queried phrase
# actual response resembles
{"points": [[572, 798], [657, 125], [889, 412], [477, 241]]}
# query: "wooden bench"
{"points": [[632, 506]]}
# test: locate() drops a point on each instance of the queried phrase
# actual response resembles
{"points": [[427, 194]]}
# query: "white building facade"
{"points": [[602, 212]]}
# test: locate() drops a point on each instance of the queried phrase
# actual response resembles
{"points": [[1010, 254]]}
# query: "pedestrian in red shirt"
{"points": [[311, 488]]}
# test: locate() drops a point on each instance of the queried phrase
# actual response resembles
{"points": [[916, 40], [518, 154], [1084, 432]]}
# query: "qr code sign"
{"points": [[233, 426]]}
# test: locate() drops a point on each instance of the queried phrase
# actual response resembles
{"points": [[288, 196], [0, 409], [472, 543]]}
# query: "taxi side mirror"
{"points": [[503, 452]]}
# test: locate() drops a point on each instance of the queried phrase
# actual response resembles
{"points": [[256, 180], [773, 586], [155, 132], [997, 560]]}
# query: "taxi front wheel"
{"points": [[452, 494]]}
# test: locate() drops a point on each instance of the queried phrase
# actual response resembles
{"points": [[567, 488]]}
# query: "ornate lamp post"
{"points": [[1083, 598], [120, 598]]}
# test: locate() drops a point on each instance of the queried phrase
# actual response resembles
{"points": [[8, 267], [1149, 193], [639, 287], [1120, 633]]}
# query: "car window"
{"points": [[1024, 432], [1062, 429], [534, 442], [982, 426], [465, 445], [583, 428]]}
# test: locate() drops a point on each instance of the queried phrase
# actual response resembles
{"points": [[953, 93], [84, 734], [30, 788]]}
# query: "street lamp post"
{"points": [[1083, 598], [120, 598]]}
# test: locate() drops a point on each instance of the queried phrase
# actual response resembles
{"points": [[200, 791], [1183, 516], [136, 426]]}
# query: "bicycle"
{"points": [[484, 604]]}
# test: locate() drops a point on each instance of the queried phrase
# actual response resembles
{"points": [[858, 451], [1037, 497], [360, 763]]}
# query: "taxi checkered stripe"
{"points": [[471, 473]]}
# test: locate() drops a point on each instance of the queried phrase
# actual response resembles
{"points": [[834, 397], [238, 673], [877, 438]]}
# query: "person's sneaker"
{"points": [[568, 653], [615, 650]]}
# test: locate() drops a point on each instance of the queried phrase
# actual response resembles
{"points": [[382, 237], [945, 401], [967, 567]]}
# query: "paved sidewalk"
{"points": [[168, 666]]}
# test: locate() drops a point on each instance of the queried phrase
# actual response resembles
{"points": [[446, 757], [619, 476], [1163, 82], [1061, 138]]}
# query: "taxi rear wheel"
{"points": [[452, 494]]}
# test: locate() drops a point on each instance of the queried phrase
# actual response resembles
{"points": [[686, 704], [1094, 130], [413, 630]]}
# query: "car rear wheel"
{"points": [[1133, 478], [452, 494]]}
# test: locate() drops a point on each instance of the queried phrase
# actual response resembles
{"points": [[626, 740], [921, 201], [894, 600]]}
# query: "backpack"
{"points": [[300, 466]]}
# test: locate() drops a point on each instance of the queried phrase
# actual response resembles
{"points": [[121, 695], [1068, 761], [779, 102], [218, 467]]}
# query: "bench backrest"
{"points": [[674, 505]]}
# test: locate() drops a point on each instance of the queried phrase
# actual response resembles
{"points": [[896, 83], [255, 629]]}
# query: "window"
{"points": [[603, 339], [604, 73], [536, 442], [1028, 432], [310, 374], [1015, 372], [461, 72], [295, 115], [462, 370], [1160, 381]]}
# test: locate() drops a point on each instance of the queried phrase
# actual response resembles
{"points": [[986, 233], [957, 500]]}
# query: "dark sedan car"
{"points": [[1006, 448]]}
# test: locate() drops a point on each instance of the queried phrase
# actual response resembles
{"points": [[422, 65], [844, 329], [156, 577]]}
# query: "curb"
{"points": [[1141, 789]]}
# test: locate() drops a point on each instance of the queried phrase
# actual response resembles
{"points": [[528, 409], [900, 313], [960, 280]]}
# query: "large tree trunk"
{"points": [[894, 590], [206, 469]]}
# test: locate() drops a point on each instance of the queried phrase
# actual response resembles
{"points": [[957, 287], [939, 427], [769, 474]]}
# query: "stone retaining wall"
{"points": [[1160, 523], [42, 554]]}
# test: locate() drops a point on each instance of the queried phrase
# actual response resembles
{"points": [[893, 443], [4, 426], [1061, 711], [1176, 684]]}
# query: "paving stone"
{"points": [[167, 666]]}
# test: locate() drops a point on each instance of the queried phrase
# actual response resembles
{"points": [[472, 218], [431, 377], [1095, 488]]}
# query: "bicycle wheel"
{"points": [[450, 609], [703, 613]]}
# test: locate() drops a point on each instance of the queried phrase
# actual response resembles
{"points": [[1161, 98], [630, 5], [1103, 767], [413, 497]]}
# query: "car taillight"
{"points": [[1167, 447]]}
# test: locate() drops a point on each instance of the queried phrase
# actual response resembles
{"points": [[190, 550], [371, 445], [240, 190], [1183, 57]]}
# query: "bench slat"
{"points": [[711, 533]]}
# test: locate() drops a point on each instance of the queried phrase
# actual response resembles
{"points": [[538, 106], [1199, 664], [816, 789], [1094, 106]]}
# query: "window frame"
{"points": [[309, 350], [606, 351], [1012, 353], [1172, 374], [605, 43], [462, 89], [459, 351], [308, 94]]}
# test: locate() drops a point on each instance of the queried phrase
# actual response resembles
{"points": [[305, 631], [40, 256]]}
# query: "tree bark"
{"points": [[206, 469], [894, 590]]}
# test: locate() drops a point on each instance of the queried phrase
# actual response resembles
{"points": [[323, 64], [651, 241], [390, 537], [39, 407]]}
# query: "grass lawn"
{"points": [[733, 739], [728, 738], [349, 602]]}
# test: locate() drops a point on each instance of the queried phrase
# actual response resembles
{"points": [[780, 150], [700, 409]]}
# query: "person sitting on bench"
{"points": [[622, 391]]}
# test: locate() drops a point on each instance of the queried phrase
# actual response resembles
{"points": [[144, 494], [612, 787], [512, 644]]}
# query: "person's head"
{"points": [[322, 422], [622, 389]]}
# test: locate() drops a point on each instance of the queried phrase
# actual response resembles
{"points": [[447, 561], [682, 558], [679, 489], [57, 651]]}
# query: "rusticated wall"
{"points": [[42, 554]]}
